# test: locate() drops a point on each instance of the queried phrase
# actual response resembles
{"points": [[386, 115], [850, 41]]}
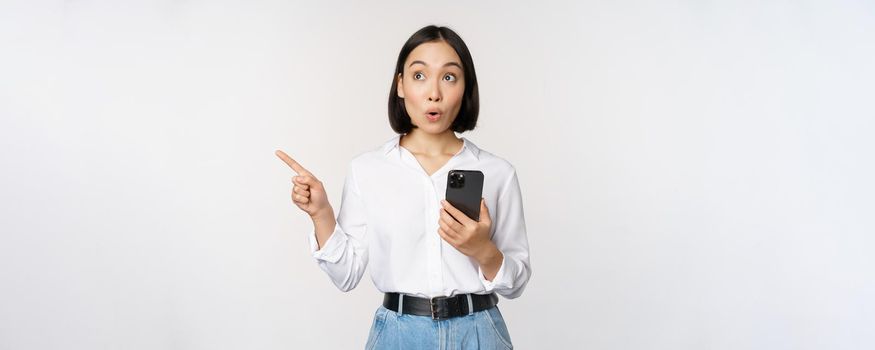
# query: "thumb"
{"points": [[484, 211], [307, 180]]}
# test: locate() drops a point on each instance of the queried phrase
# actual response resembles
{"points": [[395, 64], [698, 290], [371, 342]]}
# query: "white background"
{"points": [[696, 174]]}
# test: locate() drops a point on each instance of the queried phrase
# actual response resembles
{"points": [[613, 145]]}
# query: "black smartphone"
{"points": [[464, 190]]}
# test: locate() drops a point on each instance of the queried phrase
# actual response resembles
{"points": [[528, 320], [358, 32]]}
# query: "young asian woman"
{"points": [[440, 271]]}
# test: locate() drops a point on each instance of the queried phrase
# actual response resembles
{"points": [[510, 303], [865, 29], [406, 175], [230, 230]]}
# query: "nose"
{"points": [[434, 94]]}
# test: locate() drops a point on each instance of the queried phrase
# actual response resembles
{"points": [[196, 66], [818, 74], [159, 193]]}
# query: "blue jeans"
{"points": [[480, 330]]}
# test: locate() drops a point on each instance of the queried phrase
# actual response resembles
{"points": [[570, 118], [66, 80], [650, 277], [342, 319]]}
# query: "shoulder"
{"points": [[498, 163], [496, 166], [374, 156], [489, 159]]}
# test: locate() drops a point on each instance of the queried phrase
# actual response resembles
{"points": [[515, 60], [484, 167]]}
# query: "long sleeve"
{"points": [[345, 255], [509, 235]]}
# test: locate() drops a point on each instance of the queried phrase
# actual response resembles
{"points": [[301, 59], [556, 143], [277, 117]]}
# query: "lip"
{"points": [[433, 117]]}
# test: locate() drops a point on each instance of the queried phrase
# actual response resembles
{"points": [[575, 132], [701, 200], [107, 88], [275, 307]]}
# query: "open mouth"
{"points": [[433, 115]]}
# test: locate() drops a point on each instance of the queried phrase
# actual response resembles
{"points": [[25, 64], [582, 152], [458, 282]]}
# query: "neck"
{"points": [[421, 142]]}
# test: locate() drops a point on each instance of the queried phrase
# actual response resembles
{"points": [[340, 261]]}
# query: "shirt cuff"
{"points": [[502, 280], [333, 249]]}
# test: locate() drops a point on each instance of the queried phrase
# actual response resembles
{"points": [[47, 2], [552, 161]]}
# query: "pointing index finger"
{"points": [[292, 163]]}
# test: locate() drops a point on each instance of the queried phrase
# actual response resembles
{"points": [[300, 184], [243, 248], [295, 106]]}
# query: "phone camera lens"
{"points": [[457, 180], [460, 180]]}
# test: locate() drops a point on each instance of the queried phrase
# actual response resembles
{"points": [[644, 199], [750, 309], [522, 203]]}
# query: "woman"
{"points": [[440, 270]]}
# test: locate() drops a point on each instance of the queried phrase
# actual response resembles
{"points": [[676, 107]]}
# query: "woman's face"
{"points": [[432, 86]]}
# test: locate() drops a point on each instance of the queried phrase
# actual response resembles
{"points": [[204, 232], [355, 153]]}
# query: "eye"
{"points": [[450, 77], [418, 76]]}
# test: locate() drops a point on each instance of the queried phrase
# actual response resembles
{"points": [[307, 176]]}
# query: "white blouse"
{"points": [[389, 216]]}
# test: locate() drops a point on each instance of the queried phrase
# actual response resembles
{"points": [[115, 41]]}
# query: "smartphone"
{"points": [[464, 190]]}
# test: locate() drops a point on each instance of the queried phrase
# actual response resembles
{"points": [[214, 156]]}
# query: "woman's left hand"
{"points": [[468, 236]]}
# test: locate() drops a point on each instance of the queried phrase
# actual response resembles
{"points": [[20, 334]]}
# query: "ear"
{"points": [[400, 90]]}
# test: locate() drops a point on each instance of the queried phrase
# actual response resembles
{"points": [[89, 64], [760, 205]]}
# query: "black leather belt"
{"points": [[440, 308]]}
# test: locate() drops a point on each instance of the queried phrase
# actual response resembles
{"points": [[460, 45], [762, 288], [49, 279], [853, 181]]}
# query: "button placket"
{"points": [[434, 241]]}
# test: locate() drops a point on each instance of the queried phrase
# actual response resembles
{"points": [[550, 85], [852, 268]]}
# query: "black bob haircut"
{"points": [[467, 118]]}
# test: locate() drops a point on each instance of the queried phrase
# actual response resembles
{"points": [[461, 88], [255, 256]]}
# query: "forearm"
{"points": [[490, 261], [324, 224]]}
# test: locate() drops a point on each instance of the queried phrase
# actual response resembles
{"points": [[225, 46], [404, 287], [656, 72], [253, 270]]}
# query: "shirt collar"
{"points": [[394, 144]]}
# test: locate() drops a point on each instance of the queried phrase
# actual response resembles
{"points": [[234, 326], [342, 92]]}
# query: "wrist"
{"points": [[488, 255], [324, 215]]}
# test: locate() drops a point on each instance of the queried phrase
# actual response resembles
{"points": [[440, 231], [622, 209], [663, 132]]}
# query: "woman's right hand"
{"points": [[308, 192]]}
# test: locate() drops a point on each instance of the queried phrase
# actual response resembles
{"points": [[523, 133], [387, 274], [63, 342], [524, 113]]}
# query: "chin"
{"points": [[433, 129]]}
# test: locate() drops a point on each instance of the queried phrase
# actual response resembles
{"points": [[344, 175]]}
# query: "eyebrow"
{"points": [[445, 64]]}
